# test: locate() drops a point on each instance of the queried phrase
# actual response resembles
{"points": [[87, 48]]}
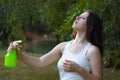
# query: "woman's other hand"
{"points": [[70, 66]]}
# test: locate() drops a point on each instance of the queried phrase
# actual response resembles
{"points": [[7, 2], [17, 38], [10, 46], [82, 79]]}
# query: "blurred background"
{"points": [[42, 24]]}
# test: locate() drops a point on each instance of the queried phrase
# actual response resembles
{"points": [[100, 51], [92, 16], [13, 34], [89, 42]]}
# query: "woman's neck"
{"points": [[80, 38]]}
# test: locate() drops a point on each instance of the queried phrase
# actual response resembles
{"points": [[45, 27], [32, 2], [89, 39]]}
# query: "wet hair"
{"points": [[93, 30]]}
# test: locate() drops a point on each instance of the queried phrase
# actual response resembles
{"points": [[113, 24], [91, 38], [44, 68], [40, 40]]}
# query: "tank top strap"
{"points": [[66, 46], [88, 45]]}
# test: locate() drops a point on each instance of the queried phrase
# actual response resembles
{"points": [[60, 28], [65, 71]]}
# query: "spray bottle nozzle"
{"points": [[15, 43]]}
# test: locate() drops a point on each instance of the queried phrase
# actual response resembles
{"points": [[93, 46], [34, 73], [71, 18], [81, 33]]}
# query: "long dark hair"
{"points": [[93, 30]]}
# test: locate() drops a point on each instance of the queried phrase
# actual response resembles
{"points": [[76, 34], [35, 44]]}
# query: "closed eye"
{"points": [[82, 17]]}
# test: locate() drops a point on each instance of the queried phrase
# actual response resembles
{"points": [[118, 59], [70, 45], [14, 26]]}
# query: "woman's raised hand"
{"points": [[13, 45]]}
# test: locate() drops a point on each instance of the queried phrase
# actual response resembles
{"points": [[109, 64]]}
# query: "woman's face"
{"points": [[80, 22]]}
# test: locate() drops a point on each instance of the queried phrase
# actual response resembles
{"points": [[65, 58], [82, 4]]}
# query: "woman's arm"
{"points": [[44, 60], [95, 61]]}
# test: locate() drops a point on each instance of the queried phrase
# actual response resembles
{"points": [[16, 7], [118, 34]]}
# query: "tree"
{"points": [[18, 17]]}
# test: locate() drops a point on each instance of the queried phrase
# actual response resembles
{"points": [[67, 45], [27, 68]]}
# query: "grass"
{"points": [[25, 72]]}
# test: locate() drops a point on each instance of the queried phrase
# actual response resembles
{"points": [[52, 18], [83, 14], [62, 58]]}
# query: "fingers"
{"points": [[10, 48], [18, 47], [67, 65], [70, 66]]}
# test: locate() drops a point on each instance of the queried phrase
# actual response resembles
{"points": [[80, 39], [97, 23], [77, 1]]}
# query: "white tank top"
{"points": [[80, 59]]}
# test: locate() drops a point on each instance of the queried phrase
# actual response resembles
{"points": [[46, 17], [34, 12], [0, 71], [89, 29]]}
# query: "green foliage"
{"points": [[111, 33], [18, 17], [112, 58]]}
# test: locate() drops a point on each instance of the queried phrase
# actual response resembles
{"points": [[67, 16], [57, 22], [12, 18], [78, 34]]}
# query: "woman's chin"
{"points": [[74, 27]]}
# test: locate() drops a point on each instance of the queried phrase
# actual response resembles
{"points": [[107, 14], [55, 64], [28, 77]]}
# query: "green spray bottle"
{"points": [[11, 57]]}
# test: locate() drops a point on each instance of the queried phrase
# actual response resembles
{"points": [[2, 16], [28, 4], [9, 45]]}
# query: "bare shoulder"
{"points": [[63, 43], [93, 52], [61, 46]]}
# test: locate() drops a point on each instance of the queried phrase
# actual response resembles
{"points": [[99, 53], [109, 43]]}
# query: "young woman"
{"points": [[78, 59]]}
